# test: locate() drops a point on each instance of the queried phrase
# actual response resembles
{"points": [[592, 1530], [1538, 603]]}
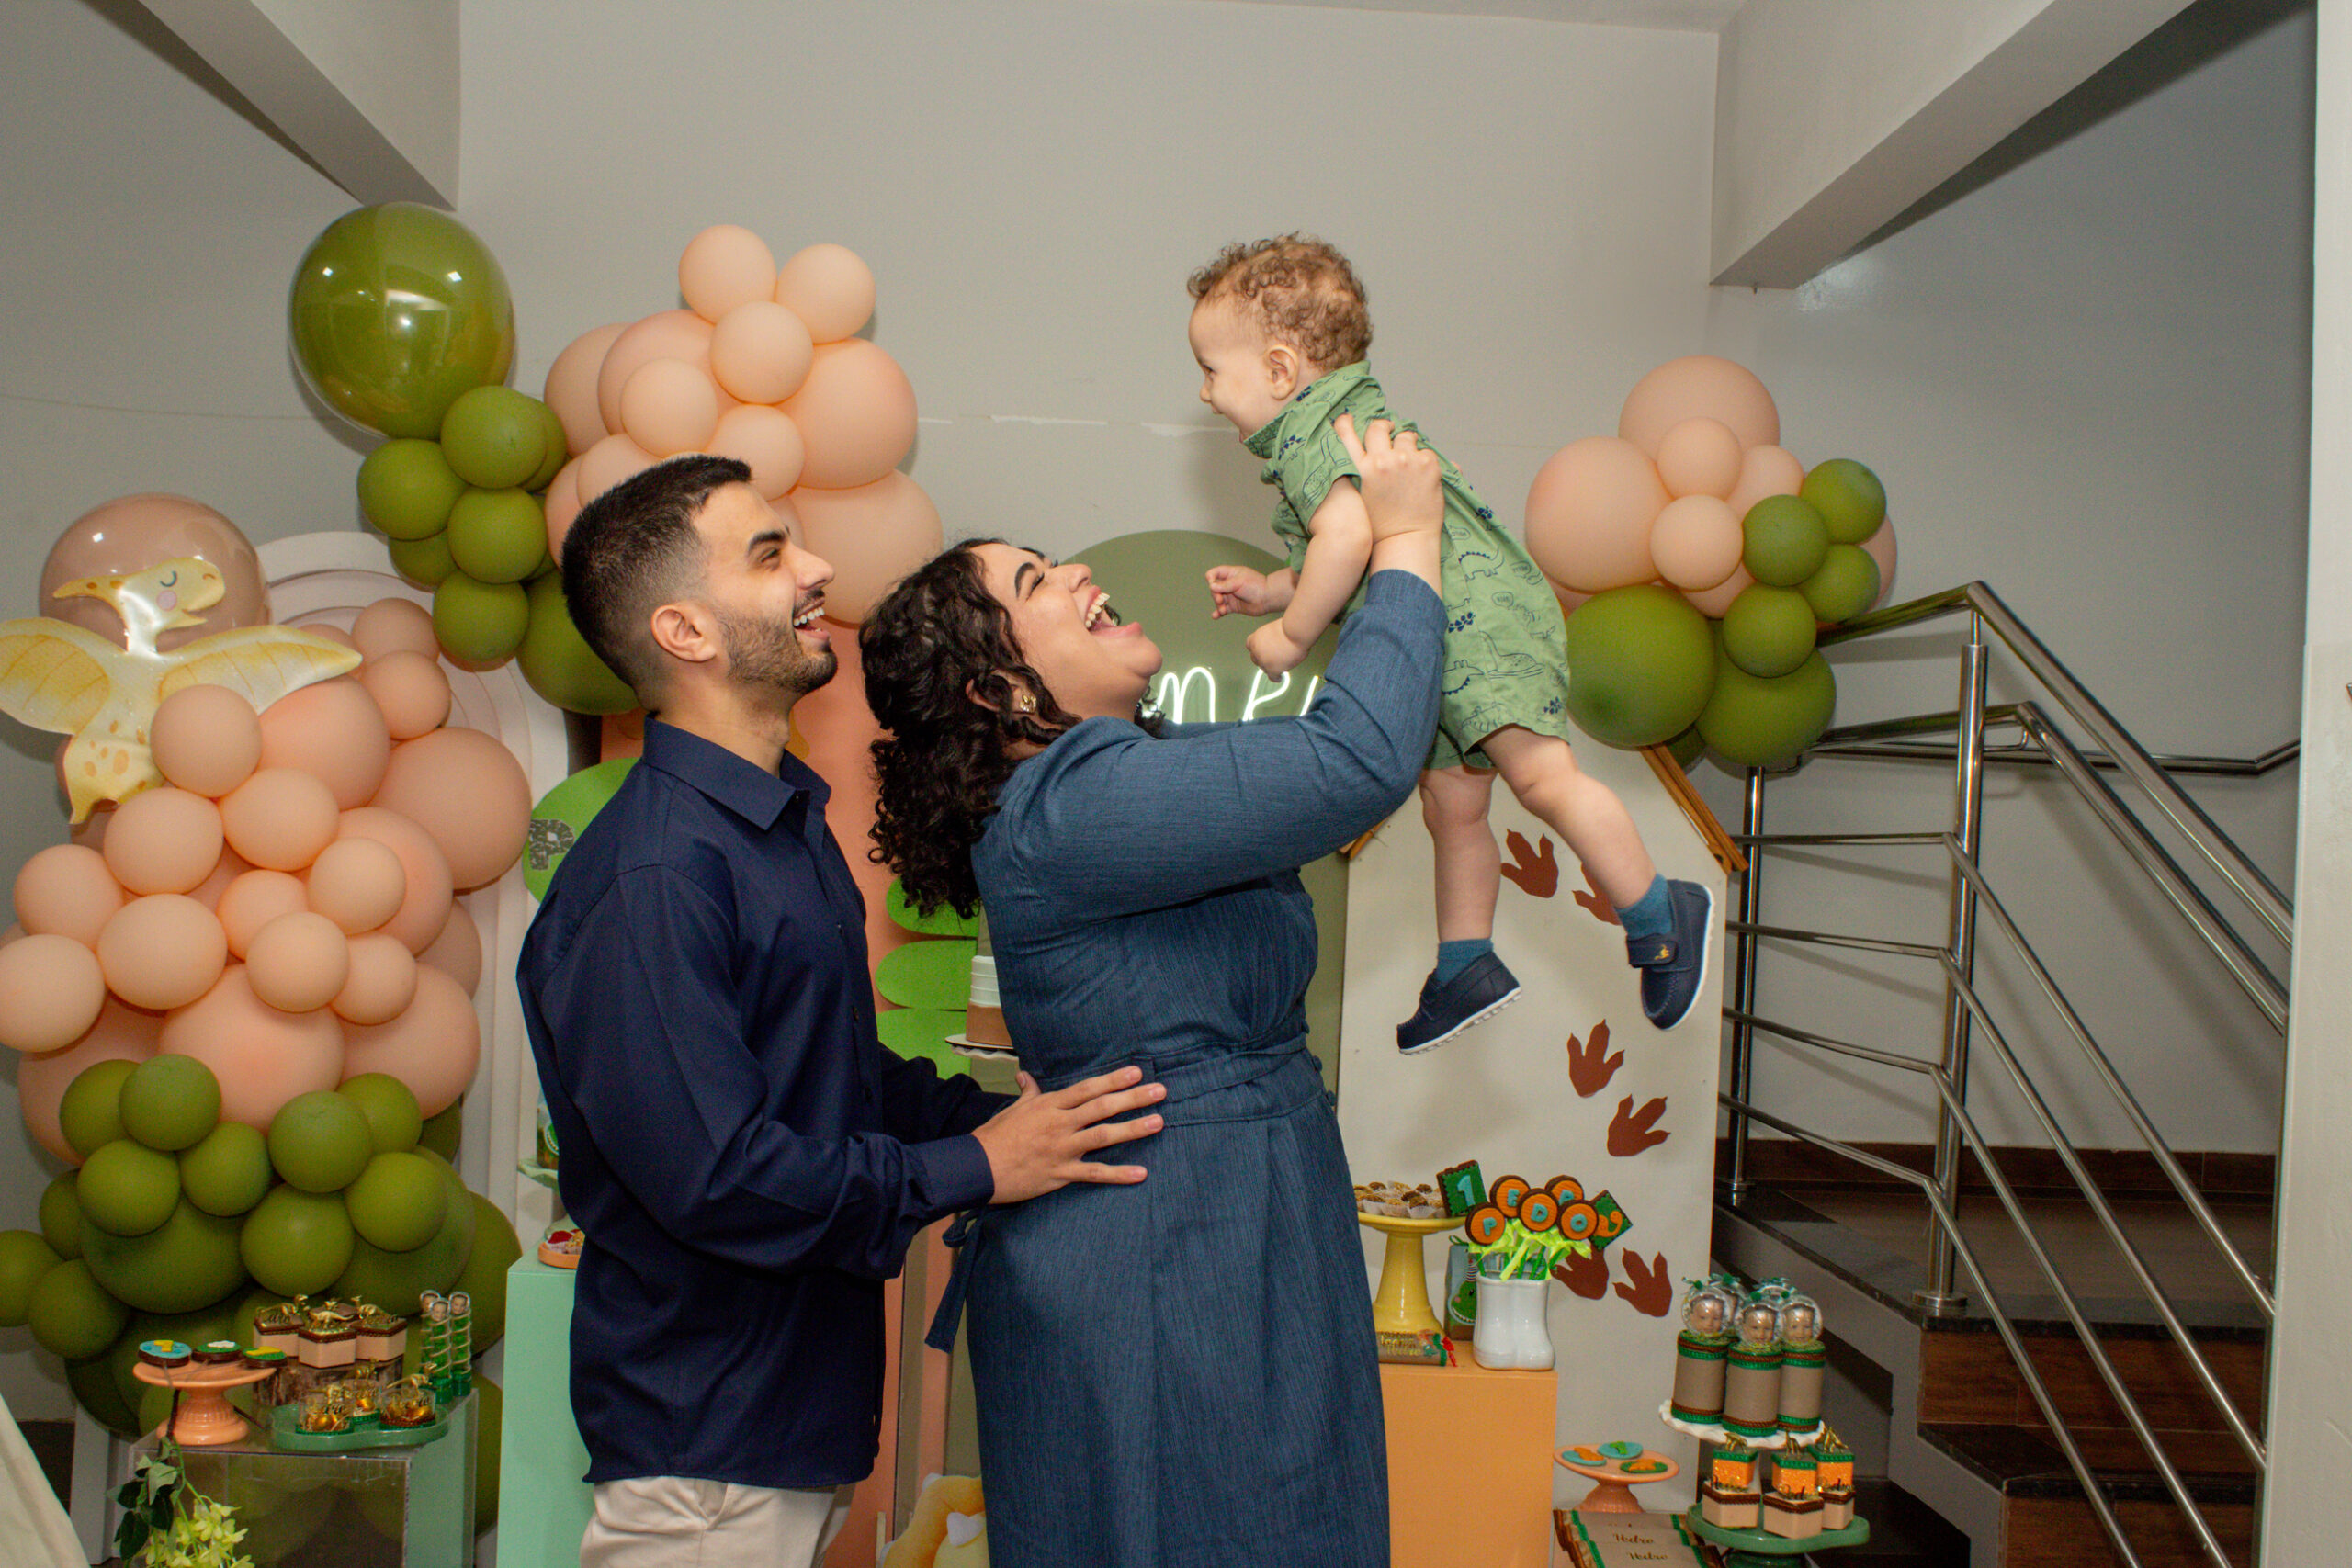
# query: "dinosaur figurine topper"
{"points": [[56, 676]]}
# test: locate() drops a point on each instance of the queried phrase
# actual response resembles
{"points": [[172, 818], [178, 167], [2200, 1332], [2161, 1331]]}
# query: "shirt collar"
{"points": [[757, 797], [1312, 406]]}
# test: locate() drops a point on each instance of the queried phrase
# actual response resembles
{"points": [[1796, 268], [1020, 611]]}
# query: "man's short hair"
{"points": [[1299, 291], [632, 550]]}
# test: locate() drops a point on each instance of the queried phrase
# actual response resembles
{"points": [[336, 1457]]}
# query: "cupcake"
{"points": [[218, 1353], [168, 1354]]}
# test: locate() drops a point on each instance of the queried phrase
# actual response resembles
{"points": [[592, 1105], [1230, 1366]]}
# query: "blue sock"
{"points": [[1651, 916], [1453, 957]]}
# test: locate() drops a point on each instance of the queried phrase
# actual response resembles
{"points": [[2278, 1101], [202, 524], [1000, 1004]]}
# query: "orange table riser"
{"points": [[1470, 1465]]}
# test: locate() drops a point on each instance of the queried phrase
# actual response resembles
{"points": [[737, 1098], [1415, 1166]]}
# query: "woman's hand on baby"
{"points": [[1040, 1141], [1399, 479]]}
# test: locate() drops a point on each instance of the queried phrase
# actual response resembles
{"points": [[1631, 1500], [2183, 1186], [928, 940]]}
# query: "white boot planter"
{"points": [[1511, 1333]]}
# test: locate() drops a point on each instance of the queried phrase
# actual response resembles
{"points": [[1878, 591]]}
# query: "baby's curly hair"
{"points": [[1301, 290]]}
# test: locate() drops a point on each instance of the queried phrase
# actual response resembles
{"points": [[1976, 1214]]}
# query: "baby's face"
{"points": [[1238, 378]]}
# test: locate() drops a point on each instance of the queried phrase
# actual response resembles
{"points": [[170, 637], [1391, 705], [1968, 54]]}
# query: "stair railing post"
{"points": [[1940, 1295], [1743, 1039]]}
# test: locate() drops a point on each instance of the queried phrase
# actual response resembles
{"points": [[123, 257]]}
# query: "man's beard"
{"points": [[768, 653]]}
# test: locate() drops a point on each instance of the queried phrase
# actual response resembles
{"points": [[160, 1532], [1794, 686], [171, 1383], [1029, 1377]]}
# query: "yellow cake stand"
{"points": [[1401, 1304]]}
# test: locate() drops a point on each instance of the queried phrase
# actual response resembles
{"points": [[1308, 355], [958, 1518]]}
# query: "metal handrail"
{"points": [[1862, 740]]}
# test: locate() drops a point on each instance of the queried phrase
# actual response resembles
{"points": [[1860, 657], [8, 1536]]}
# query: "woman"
{"points": [[1180, 1371]]}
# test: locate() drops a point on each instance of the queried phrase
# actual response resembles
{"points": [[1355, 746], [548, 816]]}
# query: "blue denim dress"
{"points": [[1183, 1372]]}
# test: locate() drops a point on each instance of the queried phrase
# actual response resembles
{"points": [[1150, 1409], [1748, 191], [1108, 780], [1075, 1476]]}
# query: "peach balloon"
{"points": [[410, 691], [299, 963], [162, 950], [382, 981], [334, 634], [136, 531], [122, 1034], [1696, 541], [432, 1046], [872, 536], [1700, 386], [395, 625], [469, 793], [608, 462], [1699, 457], [1765, 470], [51, 991], [456, 952], [829, 287], [263, 1055], [226, 870], [724, 267], [425, 909], [765, 440], [66, 891], [1588, 514], [665, 334], [162, 840], [571, 391], [333, 731], [1880, 547], [760, 352], [562, 504], [207, 739], [281, 817], [357, 884], [1713, 602], [669, 407], [252, 901], [856, 414]]}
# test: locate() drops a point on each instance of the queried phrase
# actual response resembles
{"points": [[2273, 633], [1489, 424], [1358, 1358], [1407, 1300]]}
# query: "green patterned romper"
{"points": [[1506, 651]]}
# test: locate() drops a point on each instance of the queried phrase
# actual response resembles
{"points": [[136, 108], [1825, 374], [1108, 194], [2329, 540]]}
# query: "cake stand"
{"points": [[1401, 1304], [1616, 1493], [206, 1420], [1762, 1548]]}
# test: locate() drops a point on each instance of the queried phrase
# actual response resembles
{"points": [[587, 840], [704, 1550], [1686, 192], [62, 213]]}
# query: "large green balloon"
{"points": [[397, 312], [498, 535], [24, 1258], [1783, 540], [398, 1203], [496, 1246], [495, 437], [189, 1261], [1768, 631], [170, 1103], [1751, 722], [71, 1314], [127, 1189], [1640, 665], [61, 1216], [395, 1280], [90, 1114], [441, 1132], [1846, 585], [406, 489], [320, 1141], [296, 1243], [394, 1119], [1849, 498], [425, 561], [229, 1172], [559, 663], [480, 622]]}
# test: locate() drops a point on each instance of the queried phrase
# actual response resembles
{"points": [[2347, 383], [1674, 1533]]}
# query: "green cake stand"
{"points": [[1761, 1549]]}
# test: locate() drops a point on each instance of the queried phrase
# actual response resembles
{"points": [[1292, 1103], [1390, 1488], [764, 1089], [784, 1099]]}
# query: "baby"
{"points": [[1281, 330]]}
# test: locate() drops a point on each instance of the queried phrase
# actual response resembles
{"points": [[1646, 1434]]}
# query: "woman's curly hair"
{"points": [[938, 641]]}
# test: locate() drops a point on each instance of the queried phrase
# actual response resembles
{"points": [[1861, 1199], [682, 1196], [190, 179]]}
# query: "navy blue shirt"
{"points": [[749, 1162]]}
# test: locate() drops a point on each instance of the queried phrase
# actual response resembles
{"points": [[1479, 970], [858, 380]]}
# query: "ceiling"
{"points": [[1677, 15]]}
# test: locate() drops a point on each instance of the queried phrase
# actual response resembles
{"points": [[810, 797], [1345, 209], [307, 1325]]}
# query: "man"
{"points": [[747, 1161]]}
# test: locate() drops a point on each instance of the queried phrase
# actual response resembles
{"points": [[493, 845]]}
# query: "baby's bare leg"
{"points": [[1542, 771], [1469, 870]]}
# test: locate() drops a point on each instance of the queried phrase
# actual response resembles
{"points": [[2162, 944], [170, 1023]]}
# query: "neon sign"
{"points": [[1176, 695]]}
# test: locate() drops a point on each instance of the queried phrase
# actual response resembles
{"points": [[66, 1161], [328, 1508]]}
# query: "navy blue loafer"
{"points": [[1672, 967], [1483, 987]]}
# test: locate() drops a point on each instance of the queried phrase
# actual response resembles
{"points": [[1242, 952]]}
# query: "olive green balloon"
{"points": [[24, 1258], [297, 1243], [496, 1246], [1849, 497], [170, 1103], [423, 561], [1785, 539], [1640, 665], [92, 1386], [1768, 631], [557, 456], [229, 1172], [61, 1216], [1688, 748], [71, 1314], [127, 1189], [1846, 585], [396, 1280], [320, 1142], [498, 535], [394, 1119], [397, 311], [90, 1114], [1751, 722], [559, 663], [442, 1131], [480, 622], [189, 1261], [398, 1203], [407, 487], [494, 438]]}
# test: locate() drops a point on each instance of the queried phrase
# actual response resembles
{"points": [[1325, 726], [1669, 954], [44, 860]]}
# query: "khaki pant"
{"points": [[671, 1521]]}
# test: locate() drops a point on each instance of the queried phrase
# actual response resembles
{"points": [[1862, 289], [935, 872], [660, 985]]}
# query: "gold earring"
{"points": [[1024, 701]]}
